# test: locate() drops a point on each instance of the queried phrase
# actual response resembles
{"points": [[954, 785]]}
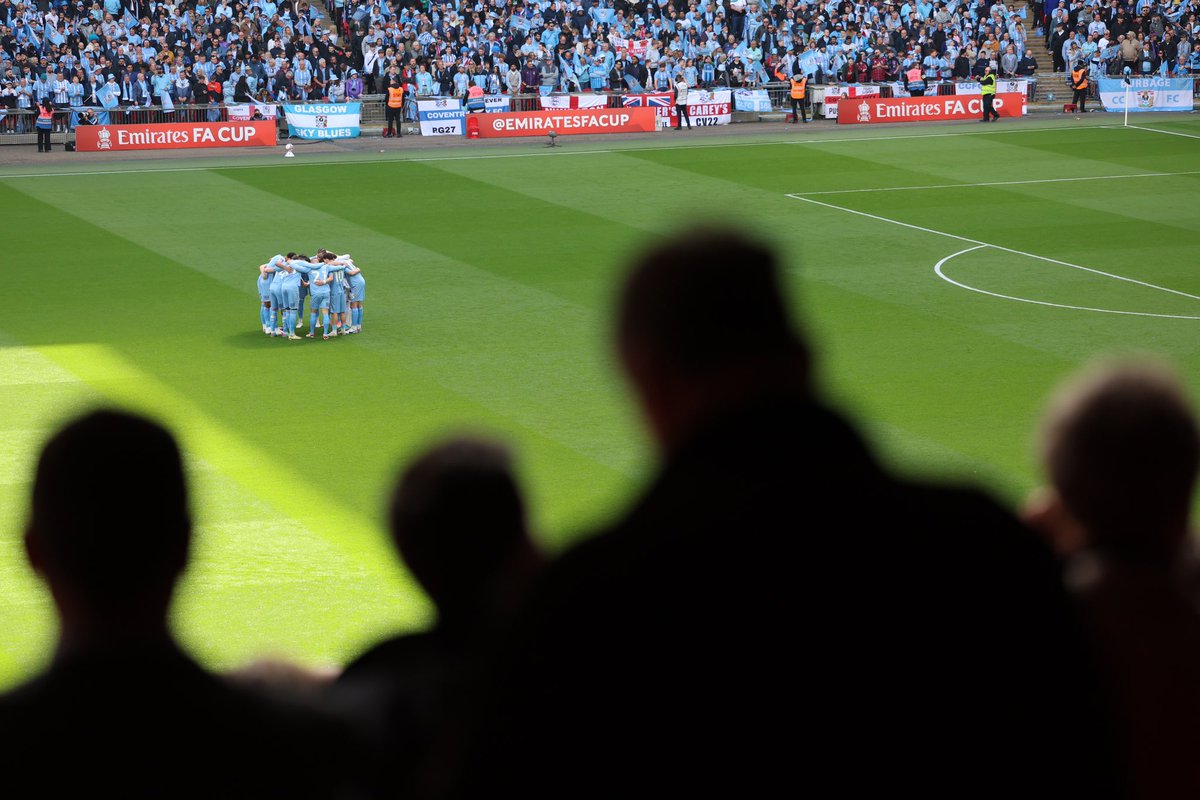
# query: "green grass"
{"points": [[489, 287]]}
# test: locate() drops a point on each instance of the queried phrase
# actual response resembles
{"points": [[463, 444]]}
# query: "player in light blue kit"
{"points": [[337, 297], [324, 264], [264, 295], [304, 292], [319, 291], [358, 293], [277, 310], [267, 294], [288, 278]]}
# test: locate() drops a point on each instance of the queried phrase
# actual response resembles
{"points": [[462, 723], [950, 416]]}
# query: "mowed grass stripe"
{"points": [[647, 197], [502, 320], [1050, 220], [313, 599], [922, 377], [47, 392], [471, 232], [403, 392], [34, 392], [830, 164]]}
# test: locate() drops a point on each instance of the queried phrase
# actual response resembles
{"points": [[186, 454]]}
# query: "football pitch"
{"points": [[949, 276]]}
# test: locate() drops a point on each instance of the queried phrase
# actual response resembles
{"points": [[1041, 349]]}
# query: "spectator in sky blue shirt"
{"points": [[303, 77]]}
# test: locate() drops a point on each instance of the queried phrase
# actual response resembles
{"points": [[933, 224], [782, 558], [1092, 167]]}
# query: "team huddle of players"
{"points": [[335, 288]]}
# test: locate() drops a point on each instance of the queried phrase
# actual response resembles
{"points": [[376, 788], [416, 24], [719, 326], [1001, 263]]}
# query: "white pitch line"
{"points": [[1168, 133], [998, 183], [997, 247], [292, 164], [938, 269], [936, 135]]}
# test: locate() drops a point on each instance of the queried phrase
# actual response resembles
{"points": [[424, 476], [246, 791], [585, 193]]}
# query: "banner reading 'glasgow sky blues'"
{"points": [[323, 120], [1147, 94]]}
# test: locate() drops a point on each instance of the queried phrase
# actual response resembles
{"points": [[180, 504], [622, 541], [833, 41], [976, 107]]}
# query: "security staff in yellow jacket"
{"points": [[1079, 83], [799, 88], [395, 109], [988, 86]]}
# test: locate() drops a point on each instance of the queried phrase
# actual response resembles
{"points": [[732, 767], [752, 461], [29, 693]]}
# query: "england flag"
{"points": [[561, 101]]}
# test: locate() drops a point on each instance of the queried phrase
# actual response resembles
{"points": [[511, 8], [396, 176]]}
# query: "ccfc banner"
{"points": [[1147, 94], [871, 110], [539, 123], [704, 108], [323, 120], [443, 116], [174, 136]]}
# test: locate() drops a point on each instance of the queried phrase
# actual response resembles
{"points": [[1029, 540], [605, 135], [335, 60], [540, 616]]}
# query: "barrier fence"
{"points": [[16, 126]]}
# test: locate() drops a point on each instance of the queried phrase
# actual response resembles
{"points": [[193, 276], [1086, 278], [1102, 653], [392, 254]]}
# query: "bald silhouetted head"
{"points": [[458, 521], [110, 526], [1121, 446], [702, 322]]}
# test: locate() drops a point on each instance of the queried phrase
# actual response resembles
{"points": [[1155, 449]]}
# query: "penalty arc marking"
{"points": [[938, 268], [980, 244]]}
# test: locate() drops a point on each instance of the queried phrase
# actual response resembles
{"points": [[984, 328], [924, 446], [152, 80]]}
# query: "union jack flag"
{"points": [[657, 100]]}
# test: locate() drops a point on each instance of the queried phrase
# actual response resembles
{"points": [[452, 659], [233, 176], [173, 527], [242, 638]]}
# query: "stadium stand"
{"points": [[199, 52]]}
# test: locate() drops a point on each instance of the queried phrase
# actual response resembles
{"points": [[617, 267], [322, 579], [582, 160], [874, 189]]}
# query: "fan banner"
{"points": [[831, 94], [444, 116], [323, 120], [751, 100], [245, 111], [1147, 94], [553, 101], [704, 107]]}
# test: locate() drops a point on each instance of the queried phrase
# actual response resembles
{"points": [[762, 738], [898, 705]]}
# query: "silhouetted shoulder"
{"points": [[151, 722]]}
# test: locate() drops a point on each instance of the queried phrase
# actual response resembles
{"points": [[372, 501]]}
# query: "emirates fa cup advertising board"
{"points": [[174, 136], [872, 110], [563, 122]]}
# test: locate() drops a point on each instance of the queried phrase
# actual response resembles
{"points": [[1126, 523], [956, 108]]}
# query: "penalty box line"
{"points": [[799, 195], [1014, 251]]}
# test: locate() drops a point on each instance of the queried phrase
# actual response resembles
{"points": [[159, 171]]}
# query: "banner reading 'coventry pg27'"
{"points": [[323, 120], [1147, 94]]}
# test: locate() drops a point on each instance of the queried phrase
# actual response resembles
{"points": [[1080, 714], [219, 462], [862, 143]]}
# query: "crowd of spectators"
{"points": [[142, 52], [777, 610], [1142, 38]]}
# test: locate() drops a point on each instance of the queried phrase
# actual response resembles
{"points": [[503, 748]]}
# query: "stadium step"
{"points": [[326, 18]]}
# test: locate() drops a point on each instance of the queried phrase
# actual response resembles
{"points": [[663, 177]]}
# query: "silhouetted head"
{"points": [[702, 324], [458, 521], [110, 526], [1121, 447]]}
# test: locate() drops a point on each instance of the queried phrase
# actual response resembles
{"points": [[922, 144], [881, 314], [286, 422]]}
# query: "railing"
{"points": [[16, 127]]}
